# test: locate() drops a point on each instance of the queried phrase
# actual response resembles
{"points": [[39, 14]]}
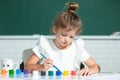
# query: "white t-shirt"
{"points": [[64, 59]]}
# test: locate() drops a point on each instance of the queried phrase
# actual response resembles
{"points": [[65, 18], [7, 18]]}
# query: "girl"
{"points": [[66, 52]]}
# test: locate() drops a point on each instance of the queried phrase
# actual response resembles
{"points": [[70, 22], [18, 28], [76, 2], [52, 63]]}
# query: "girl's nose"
{"points": [[67, 39]]}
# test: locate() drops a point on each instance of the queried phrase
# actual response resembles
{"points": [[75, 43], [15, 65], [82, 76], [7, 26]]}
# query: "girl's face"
{"points": [[64, 37]]}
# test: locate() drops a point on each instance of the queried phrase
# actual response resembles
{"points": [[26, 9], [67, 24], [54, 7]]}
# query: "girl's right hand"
{"points": [[48, 63]]}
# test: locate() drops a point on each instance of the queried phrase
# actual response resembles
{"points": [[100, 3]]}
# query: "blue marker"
{"points": [[53, 65]]}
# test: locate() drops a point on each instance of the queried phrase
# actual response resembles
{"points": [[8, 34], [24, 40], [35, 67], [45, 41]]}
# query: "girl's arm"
{"points": [[32, 64], [93, 68]]}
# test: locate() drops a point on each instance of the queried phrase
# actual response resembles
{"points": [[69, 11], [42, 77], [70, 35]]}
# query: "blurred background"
{"points": [[23, 21], [28, 17]]}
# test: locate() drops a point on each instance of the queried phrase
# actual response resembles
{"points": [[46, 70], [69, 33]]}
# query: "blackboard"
{"points": [[28, 17]]}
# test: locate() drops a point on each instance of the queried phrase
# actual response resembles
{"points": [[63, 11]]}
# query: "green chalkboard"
{"points": [[28, 17]]}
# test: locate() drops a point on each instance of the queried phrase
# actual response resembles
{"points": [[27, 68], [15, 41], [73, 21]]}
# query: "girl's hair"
{"points": [[69, 19]]}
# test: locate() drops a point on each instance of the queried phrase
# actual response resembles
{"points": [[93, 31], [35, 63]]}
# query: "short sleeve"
{"points": [[82, 53], [38, 49], [41, 47]]}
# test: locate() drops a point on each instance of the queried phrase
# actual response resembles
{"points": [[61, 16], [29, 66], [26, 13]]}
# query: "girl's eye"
{"points": [[71, 37], [63, 34]]}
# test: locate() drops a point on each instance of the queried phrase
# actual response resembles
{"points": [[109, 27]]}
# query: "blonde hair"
{"points": [[69, 18]]}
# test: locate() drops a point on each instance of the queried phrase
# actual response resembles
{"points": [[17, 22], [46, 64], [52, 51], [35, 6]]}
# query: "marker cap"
{"points": [[11, 73]]}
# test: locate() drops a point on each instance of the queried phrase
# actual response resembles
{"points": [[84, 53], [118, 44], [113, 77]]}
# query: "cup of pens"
{"points": [[7, 64]]}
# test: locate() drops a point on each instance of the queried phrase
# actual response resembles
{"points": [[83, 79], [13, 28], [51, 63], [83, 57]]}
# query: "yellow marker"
{"points": [[66, 73]]}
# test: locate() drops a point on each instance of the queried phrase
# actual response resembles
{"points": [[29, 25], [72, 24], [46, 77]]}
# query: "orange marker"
{"points": [[3, 72]]}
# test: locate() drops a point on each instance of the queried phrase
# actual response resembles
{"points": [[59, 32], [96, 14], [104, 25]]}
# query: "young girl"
{"points": [[66, 52]]}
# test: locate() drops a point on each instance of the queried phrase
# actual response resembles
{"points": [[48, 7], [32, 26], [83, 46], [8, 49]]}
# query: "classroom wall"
{"points": [[28, 17], [104, 49]]}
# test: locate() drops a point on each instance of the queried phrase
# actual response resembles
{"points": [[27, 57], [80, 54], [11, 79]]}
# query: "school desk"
{"points": [[100, 76]]}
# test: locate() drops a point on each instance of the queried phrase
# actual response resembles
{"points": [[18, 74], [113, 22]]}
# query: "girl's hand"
{"points": [[48, 63], [84, 72]]}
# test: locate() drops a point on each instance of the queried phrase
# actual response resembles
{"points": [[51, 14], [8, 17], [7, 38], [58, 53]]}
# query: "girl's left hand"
{"points": [[84, 72]]}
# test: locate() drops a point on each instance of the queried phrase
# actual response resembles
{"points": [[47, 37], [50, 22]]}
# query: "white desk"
{"points": [[100, 76]]}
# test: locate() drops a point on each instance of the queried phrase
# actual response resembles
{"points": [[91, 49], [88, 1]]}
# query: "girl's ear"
{"points": [[54, 29]]}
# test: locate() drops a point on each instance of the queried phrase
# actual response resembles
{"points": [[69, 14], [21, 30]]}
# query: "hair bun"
{"points": [[72, 7]]}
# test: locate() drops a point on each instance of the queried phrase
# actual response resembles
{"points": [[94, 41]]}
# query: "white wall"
{"points": [[104, 49], [12, 46]]}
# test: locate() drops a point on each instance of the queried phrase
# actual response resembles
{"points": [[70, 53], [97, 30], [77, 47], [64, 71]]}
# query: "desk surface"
{"points": [[100, 76]]}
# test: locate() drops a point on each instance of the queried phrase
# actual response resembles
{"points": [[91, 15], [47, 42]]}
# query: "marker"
{"points": [[3, 72], [43, 73], [73, 72], [58, 73], [18, 72], [50, 73], [35, 75], [25, 71], [11, 73], [66, 73], [53, 65]]}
